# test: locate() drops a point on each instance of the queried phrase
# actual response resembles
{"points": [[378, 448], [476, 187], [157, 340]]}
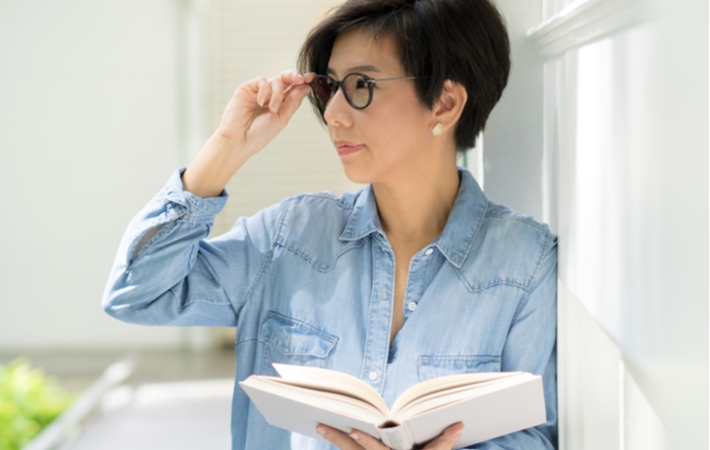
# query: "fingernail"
{"points": [[320, 430], [355, 437], [275, 107]]}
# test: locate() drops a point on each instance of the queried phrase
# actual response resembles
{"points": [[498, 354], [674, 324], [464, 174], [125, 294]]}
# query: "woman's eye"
{"points": [[360, 83]]}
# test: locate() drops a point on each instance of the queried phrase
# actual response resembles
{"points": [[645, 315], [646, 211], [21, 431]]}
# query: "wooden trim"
{"points": [[585, 21]]}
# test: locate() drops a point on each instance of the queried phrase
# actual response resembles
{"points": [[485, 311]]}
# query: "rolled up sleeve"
{"points": [[177, 277]]}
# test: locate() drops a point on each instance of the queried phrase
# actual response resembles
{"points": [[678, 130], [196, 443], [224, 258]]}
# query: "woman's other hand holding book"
{"points": [[358, 440]]}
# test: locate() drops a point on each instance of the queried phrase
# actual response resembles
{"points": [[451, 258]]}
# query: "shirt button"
{"points": [[373, 375], [411, 306], [382, 293], [429, 251]]}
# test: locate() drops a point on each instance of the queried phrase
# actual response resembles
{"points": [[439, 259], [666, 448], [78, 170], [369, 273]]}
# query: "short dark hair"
{"points": [[465, 41]]}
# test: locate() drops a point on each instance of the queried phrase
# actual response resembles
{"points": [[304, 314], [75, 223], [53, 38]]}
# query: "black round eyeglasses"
{"points": [[357, 89]]}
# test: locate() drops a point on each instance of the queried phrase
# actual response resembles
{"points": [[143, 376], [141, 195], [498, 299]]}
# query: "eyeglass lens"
{"points": [[355, 86]]}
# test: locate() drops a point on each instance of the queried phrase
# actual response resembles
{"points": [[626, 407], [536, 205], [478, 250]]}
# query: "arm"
{"points": [[165, 272], [256, 113], [530, 347], [178, 278]]}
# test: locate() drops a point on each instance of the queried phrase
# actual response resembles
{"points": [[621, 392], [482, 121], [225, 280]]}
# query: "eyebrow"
{"points": [[366, 68]]}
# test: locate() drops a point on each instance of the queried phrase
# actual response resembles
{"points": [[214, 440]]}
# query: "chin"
{"points": [[357, 174], [357, 178]]}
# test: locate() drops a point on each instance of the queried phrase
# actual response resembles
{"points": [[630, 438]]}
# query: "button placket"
{"points": [[379, 320], [415, 282]]}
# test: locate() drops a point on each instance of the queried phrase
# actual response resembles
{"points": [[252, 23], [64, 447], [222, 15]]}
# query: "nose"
{"points": [[338, 112]]}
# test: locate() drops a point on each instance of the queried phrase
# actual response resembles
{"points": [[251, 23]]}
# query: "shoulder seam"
{"points": [[325, 195], [524, 220], [534, 275]]}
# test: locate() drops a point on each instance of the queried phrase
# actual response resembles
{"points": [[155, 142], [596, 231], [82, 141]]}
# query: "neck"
{"points": [[414, 208]]}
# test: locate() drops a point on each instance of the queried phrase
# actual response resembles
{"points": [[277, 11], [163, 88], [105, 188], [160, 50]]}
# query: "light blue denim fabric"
{"points": [[311, 281]]}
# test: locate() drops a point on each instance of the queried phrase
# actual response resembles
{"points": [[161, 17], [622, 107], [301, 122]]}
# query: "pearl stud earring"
{"points": [[438, 128]]}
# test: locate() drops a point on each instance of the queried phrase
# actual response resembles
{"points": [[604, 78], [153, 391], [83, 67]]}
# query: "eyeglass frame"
{"points": [[340, 85]]}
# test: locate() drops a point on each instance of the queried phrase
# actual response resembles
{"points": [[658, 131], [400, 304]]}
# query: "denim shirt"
{"points": [[310, 281]]}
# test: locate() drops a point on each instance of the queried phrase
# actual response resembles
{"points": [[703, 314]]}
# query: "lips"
{"points": [[347, 147]]}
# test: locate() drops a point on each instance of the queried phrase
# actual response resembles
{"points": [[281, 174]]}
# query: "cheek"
{"points": [[411, 112], [401, 126]]}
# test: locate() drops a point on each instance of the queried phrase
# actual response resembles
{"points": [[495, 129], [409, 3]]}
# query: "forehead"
{"points": [[355, 49]]}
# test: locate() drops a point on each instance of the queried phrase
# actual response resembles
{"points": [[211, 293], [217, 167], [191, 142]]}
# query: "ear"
{"points": [[448, 108]]}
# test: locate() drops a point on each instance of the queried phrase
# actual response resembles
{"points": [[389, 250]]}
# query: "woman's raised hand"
{"points": [[261, 108], [256, 114], [357, 440]]}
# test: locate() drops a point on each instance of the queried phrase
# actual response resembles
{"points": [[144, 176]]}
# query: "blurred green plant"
{"points": [[29, 401]]}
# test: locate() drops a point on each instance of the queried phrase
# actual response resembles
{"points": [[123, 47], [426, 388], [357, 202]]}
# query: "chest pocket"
{"points": [[290, 341], [442, 365]]}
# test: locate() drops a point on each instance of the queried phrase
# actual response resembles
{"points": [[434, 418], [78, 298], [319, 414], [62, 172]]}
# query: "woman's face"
{"points": [[387, 140]]}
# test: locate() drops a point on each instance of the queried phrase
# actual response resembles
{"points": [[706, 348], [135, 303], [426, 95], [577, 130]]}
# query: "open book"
{"points": [[489, 404]]}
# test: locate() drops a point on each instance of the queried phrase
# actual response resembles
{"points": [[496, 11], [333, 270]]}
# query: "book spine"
{"points": [[396, 438]]}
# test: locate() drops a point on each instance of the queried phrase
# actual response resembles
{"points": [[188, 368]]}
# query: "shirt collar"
{"points": [[455, 240], [364, 219], [464, 220]]}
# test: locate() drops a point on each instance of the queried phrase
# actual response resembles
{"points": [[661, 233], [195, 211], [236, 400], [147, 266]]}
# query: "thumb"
{"points": [[293, 100], [448, 438]]}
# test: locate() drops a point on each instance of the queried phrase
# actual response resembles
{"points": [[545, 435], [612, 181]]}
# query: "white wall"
{"points": [[88, 133], [624, 182], [513, 138], [99, 103]]}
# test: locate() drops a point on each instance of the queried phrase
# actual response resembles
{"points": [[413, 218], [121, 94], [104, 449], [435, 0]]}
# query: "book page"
{"points": [[330, 381], [496, 412], [440, 399], [437, 399], [344, 405], [434, 385], [283, 406]]}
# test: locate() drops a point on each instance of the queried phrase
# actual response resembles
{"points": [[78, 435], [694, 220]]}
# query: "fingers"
{"points": [[338, 438], [447, 439], [367, 441], [356, 440], [289, 77], [276, 91], [297, 86], [277, 94], [309, 77], [263, 89], [295, 77]]}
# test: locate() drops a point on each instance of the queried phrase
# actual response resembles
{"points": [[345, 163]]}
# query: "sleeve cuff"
{"points": [[188, 207]]}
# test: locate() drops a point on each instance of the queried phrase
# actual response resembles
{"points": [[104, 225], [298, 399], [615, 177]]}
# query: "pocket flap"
{"points": [[293, 337], [442, 365]]}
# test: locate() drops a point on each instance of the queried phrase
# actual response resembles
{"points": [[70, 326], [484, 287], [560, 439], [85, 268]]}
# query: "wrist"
{"points": [[217, 162]]}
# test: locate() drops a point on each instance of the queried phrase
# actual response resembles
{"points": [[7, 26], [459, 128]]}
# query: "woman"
{"points": [[416, 276]]}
